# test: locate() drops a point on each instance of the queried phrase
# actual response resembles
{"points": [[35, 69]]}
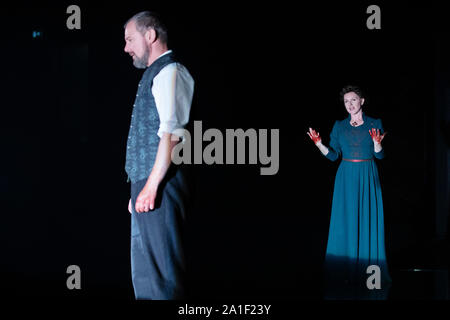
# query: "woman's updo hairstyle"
{"points": [[351, 88]]}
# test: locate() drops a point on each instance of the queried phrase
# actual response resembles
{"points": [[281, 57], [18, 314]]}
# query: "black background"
{"points": [[66, 105]]}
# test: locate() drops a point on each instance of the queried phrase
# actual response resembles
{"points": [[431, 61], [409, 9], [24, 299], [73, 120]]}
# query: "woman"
{"points": [[356, 234]]}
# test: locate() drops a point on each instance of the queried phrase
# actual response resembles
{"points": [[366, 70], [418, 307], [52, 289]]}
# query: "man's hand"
{"points": [[146, 198]]}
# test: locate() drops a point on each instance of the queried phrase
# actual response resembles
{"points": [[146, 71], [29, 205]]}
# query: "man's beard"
{"points": [[141, 63]]}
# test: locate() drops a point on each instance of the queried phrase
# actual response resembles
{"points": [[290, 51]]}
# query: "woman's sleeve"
{"points": [[379, 155], [334, 151]]}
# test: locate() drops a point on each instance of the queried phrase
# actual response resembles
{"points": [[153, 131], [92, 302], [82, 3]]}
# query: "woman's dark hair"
{"points": [[351, 88], [149, 20]]}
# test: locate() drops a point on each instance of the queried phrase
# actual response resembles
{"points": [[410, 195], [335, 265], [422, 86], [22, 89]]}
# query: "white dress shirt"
{"points": [[173, 88]]}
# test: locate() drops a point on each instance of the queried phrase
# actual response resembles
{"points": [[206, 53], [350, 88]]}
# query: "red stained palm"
{"points": [[375, 134], [315, 137]]}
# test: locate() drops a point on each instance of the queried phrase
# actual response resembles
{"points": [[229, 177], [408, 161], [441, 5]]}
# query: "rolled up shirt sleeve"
{"points": [[173, 89]]}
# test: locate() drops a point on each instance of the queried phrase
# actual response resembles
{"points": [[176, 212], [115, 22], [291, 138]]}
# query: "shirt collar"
{"points": [[167, 52]]}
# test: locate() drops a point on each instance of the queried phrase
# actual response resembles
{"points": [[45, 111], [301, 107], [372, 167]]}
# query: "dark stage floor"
{"points": [[426, 277]]}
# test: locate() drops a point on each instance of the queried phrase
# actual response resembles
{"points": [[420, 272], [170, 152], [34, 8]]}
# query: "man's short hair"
{"points": [[149, 20]]}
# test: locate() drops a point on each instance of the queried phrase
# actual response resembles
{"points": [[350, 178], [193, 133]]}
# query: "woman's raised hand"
{"points": [[375, 134], [315, 137]]}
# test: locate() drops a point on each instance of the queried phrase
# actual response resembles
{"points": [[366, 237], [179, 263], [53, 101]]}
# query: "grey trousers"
{"points": [[158, 262]]}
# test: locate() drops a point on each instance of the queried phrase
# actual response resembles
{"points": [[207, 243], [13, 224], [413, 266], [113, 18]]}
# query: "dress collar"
{"points": [[363, 117]]}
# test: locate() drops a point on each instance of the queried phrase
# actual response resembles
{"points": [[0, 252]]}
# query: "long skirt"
{"points": [[356, 234]]}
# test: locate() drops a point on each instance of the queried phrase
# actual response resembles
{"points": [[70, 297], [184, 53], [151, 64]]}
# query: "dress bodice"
{"points": [[354, 142]]}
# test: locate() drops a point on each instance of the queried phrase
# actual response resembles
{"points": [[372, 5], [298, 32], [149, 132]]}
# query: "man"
{"points": [[159, 193]]}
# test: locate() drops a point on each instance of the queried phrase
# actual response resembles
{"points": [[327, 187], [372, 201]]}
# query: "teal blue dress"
{"points": [[356, 233]]}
